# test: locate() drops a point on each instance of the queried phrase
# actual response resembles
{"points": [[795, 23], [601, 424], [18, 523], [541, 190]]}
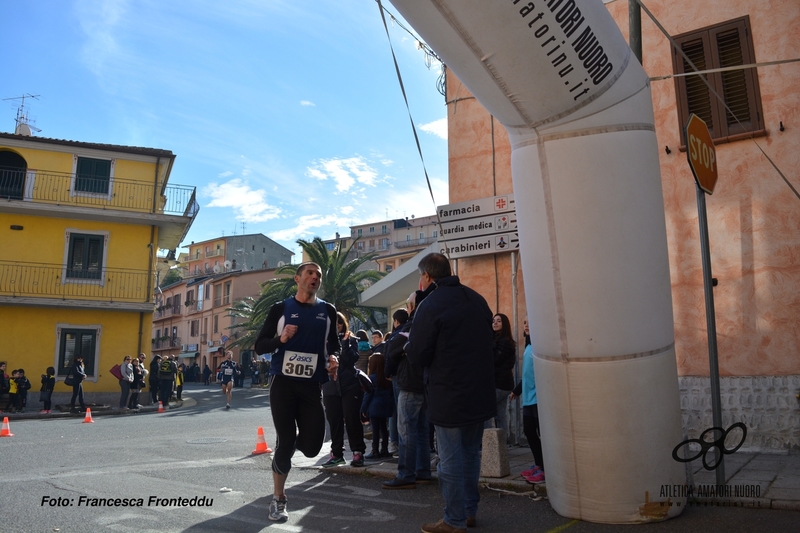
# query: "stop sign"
{"points": [[701, 154]]}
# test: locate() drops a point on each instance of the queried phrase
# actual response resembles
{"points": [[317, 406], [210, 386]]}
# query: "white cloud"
{"points": [[345, 172], [225, 174], [437, 127], [307, 103], [99, 22], [304, 224], [250, 205]]}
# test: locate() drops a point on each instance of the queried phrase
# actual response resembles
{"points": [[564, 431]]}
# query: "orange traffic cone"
{"points": [[88, 418], [261, 443], [6, 432], [161, 407]]}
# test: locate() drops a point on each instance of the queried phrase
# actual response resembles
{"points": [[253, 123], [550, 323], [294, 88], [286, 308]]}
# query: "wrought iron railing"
{"points": [[414, 242], [47, 280], [114, 193]]}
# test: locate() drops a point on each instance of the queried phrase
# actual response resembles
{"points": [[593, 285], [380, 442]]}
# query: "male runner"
{"points": [[228, 370], [300, 333]]}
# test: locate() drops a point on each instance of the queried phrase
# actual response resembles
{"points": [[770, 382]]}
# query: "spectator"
{"points": [[23, 386], [179, 378], [137, 372], [206, 375], [505, 358], [153, 377], [414, 460], [526, 390], [377, 406], [48, 384], [78, 375], [126, 370], [451, 339], [167, 370], [342, 399], [364, 351], [399, 318], [11, 405], [4, 380]]}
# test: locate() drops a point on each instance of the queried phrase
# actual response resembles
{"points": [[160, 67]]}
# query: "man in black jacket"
{"points": [[451, 339]]}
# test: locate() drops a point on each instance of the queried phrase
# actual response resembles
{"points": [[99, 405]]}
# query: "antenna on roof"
{"points": [[24, 123]]}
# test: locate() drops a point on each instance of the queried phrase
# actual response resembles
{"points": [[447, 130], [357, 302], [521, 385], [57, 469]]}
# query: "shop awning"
{"points": [[214, 349], [188, 354]]}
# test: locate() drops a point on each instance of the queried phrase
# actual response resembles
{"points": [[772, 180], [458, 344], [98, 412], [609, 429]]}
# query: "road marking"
{"points": [[562, 527]]}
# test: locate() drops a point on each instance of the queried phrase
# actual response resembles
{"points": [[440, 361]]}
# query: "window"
{"points": [[74, 341], [408, 237], [85, 256], [189, 297], [208, 291], [331, 246], [723, 45], [194, 328], [176, 303], [216, 323], [226, 299], [93, 175], [372, 243], [359, 232], [360, 246], [435, 233], [372, 229], [389, 267], [385, 244], [383, 229], [421, 236]]}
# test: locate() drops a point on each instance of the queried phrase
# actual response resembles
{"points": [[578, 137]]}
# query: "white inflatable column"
{"points": [[561, 79]]}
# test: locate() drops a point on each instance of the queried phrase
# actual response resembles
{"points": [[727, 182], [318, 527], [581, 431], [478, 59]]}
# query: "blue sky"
{"points": [[287, 116]]}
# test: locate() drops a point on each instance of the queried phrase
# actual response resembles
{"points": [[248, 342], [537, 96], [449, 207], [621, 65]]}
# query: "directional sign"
{"points": [[489, 244], [701, 154], [476, 208], [474, 227]]}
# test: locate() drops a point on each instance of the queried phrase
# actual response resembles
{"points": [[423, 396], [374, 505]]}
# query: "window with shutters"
{"points": [[737, 112], [93, 175], [74, 341], [85, 256]]}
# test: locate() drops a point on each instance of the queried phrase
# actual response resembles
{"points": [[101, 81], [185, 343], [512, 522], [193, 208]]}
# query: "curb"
{"points": [[98, 410]]}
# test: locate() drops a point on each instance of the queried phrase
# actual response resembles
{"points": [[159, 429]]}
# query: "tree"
{"points": [[172, 276], [342, 282]]}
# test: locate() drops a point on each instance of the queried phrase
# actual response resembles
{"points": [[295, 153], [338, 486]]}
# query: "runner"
{"points": [[301, 331], [227, 370]]}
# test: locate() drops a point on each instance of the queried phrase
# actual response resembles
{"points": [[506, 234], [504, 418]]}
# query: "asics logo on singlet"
{"points": [[301, 358], [294, 315], [322, 316]]}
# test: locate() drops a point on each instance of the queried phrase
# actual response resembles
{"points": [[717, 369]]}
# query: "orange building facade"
{"points": [[753, 215]]}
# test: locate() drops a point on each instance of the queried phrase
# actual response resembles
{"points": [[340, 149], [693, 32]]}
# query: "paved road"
{"points": [[196, 451]]}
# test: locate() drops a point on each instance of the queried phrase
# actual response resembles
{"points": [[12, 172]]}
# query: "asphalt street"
{"points": [[62, 475]]}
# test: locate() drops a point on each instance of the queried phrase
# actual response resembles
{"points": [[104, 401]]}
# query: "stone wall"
{"points": [[767, 405]]}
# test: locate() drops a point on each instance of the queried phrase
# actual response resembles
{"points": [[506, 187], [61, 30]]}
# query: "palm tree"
{"points": [[342, 282]]}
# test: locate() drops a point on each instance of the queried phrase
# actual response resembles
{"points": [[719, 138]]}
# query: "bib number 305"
{"points": [[299, 364]]}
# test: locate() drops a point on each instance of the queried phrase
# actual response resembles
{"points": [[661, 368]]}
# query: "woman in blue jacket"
{"points": [[378, 406]]}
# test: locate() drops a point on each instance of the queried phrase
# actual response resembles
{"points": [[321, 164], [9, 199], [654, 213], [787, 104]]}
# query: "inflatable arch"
{"points": [[560, 77]]}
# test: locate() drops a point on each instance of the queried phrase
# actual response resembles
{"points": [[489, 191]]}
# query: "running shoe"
{"points": [[277, 509], [227, 406], [536, 478], [358, 459], [333, 461], [532, 470]]}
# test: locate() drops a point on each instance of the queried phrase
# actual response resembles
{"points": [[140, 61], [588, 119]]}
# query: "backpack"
{"points": [[165, 369]]}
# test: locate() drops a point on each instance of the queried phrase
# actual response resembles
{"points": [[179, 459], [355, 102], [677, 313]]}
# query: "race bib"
{"points": [[299, 364], [228, 371]]}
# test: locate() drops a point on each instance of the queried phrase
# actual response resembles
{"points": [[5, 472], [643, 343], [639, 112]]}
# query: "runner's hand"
{"points": [[288, 332]]}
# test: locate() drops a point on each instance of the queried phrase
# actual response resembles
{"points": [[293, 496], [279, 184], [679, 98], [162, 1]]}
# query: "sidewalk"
{"points": [[770, 481]]}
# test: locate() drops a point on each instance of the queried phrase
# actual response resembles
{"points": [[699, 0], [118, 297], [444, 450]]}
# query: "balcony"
{"points": [[162, 343], [42, 280], [215, 253], [414, 242], [34, 192]]}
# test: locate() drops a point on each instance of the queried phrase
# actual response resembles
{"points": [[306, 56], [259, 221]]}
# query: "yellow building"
{"points": [[80, 227]]}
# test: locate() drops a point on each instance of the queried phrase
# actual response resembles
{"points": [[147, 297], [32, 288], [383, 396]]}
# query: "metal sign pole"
{"points": [[716, 408]]}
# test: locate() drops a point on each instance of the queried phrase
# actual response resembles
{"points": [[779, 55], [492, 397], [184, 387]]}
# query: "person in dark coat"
{"points": [[77, 387], [505, 358], [451, 339], [153, 378], [342, 400]]}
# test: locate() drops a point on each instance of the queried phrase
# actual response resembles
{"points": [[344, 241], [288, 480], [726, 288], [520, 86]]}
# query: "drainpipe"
{"points": [[577, 107]]}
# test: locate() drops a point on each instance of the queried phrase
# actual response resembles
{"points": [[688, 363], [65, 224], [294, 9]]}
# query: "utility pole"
{"points": [[635, 28]]}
